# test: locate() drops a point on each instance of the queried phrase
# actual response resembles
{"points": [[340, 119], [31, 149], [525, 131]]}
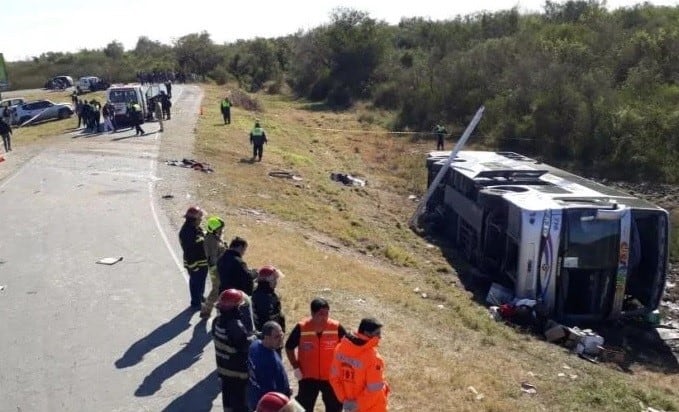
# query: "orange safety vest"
{"points": [[315, 352]]}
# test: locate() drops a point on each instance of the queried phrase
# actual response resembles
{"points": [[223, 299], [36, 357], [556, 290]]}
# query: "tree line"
{"points": [[576, 85]]}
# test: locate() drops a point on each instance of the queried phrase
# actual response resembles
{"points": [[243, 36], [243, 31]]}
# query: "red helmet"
{"points": [[230, 299], [194, 212], [268, 273], [277, 402]]}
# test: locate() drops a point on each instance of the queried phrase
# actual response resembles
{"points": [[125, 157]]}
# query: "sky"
{"points": [[31, 28]]}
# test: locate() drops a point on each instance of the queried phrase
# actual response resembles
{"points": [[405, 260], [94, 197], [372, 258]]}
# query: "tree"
{"points": [[114, 50], [196, 53]]}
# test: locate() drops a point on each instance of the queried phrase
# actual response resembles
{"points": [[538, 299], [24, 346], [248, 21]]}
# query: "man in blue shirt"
{"points": [[265, 366]]}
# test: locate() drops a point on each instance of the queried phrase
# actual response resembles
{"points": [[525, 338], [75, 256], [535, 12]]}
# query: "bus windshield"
{"points": [[590, 243]]}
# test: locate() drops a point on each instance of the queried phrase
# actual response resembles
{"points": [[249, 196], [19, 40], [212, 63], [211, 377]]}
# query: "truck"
{"points": [[585, 252]]}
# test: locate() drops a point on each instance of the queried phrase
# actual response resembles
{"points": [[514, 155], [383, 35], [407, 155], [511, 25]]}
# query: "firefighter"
{"points": [[357, 370], [257, 139], [214, 248], [232, 342], [266, 304], [191, 237], [315, 339]]}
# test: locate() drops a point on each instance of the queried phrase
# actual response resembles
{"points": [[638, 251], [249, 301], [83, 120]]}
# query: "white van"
{"points": [[121, 95]]}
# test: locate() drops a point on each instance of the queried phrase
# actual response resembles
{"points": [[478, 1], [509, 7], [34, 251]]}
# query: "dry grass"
{"points": [[352, 246]]}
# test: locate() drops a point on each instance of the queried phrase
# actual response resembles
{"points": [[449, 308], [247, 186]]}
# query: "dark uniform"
{"points": [[266, 306], [226, 110], [6, 133], [234, 273], [440, 135], [257, 138], [135, 115], [191, 238], [232, 341]]}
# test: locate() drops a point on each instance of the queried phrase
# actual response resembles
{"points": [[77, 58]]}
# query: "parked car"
{"points": [[10, 105], [91, 84], [45, 108], [59, 83]]}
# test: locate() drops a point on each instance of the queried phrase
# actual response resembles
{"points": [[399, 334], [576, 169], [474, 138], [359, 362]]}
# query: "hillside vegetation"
{"points": [[592, 90]]}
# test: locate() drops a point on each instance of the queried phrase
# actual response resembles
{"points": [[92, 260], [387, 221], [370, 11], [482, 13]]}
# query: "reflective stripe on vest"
{"points": [[314, 352]]}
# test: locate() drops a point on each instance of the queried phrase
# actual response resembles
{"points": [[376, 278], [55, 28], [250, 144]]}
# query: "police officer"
{"points": [[134, 114], [257, 139], [226, 110], [440, 132]]}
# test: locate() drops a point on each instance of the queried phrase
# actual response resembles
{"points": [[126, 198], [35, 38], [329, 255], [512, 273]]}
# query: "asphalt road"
{"points": [[80, 336]]}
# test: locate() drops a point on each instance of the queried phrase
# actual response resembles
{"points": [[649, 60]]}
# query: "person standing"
{"points": [[232, 269], [257, 139], [232, 341], [440, 132], [158, 111], [265, 366], [315, 339], [357, 370], [214, 248], [266, 304], [6, 133], [191, 237], [135, 116], [226, 110]]}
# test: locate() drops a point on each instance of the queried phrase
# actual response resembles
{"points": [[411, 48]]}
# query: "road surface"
{"points": [[82, 336]]}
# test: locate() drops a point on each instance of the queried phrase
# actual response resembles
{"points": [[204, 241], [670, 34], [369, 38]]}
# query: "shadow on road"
{"points": [[161, 335], [181, 360], [199, 398]]}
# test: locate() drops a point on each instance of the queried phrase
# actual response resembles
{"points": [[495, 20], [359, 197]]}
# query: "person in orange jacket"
{"points": [[357, 370]]}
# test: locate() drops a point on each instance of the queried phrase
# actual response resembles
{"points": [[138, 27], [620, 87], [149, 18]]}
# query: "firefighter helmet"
{"points": [[214, 223], [277, 402], [268, 273], [230, 299]]}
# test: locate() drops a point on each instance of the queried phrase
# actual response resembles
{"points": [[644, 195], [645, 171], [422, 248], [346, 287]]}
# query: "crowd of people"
{"points": [[249, 334]]}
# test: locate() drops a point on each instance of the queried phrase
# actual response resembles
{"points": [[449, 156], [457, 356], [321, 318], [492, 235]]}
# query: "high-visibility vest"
{"points": [[257, 131], [315, 352], [226, 103]]}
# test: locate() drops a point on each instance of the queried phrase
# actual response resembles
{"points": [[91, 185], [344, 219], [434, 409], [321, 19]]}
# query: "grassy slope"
{"points": [[433, 354]]}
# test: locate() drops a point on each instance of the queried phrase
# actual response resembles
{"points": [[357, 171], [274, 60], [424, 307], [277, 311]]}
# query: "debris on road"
{"points": [[2, 287], [285, 175], [191, 164], [168, 196], [528, 388], [110, 260]]}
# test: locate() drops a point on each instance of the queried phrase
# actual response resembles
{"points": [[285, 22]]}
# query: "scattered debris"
{"points": [[325, 290], [561, 375], [2, 287], [412, 197], [424, 295], [347, 179], [440, 306], [110, 260], [168, 196], [417, 290], [478, 396], [191, 164], [499, 295], [528, 388], [285, 175], [667, 333]]}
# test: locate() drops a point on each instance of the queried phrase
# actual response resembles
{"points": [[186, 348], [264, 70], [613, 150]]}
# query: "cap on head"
{"points": [[214, 223], [194, 212], [229, 299], [369, 325]]}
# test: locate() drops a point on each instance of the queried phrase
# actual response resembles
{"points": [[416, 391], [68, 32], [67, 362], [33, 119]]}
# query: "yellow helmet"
{"points": [[214, 223]]}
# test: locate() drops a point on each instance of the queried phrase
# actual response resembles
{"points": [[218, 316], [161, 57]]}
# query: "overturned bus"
{"points": [[584, 251]]}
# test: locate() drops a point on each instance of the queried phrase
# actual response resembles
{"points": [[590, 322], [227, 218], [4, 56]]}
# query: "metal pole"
{"points": [[413, 222]]}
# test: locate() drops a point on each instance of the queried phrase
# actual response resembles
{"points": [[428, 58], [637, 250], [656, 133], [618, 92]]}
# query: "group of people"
{"points": [[249, 331]]}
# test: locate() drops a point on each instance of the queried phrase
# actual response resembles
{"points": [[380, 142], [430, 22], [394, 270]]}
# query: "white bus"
{"points": [[584, 251]]}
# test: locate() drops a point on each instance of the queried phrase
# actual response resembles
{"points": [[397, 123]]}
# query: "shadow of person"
{"points": [[161, 335], [249, 160], [181, 360], [199, 398]]}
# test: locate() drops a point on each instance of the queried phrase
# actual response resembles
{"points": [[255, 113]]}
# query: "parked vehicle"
{"points": [[584, 251], [59, 83], [122, 95], [11, 104], [90, 84], [40, 110]]}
